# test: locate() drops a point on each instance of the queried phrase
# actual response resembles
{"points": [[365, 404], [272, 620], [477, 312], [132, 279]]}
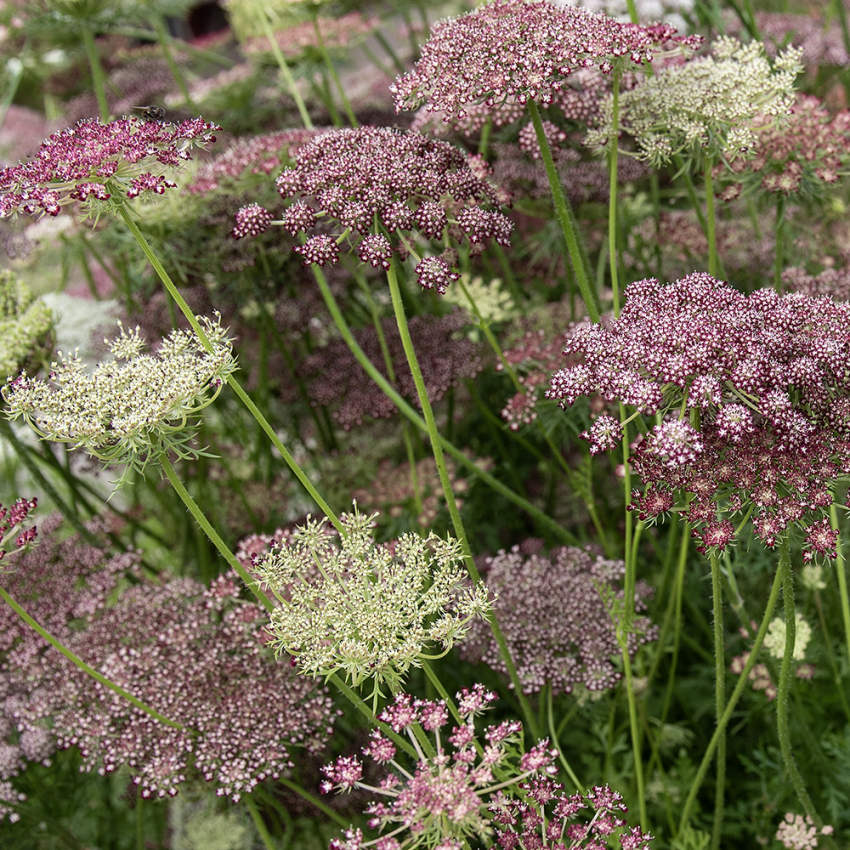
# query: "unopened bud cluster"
{"points": [[25, 324]]}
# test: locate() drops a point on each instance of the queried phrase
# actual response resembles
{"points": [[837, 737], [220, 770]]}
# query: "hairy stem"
{"points": [[719, 698]]}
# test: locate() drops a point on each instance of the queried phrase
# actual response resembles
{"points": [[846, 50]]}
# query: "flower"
{"points": [[520, 49], [366, 610], [555, 613], [798, 832], [379, 182], [92, 162], [25, 324], [130, 413], [774, 641], [753, 397], [714, 105], [443, 800]]}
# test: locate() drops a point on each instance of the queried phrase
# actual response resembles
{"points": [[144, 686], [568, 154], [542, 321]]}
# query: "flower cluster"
{"points": [[254, 155], [25, 325], [797, 832], [369, 611], [527, 823], [707, 106], [521, 49], [11, 522], [558, 614], [94, 161], [443, 802], [375, 182], [774, 640], [808, 151], [193, 654], [831, 282], [335, 378], [756, 396], [133, 412]]}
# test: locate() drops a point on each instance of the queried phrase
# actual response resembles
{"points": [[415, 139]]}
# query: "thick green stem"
{"points": [[174, 292], [723, 722], [259, 823], [407, 410], [164, 41], [97, 76], [213, 535], [451, 502], [287, 73], [565, 219], [612, 190], [784, 690], [78, 662], [719, 697], [710, 219]]}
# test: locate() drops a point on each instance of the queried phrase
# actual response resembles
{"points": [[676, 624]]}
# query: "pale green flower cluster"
{"points": [[25, 324], [493, 301], [706, 107], [132, 412], [369, 611], [774, 641]]}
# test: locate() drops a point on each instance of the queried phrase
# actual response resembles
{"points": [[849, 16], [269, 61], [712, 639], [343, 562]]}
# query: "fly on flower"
{"points": [[151, 113]]}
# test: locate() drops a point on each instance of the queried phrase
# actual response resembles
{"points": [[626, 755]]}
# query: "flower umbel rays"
{"points": [[128, 413], [443, 801], [366, 610], [94, 162]]}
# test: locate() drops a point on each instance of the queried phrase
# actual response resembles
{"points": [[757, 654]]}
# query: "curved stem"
{"points": [[709, 218], [553, 733], [213, 535], [346, 105], [259, 823], [562, 210], [98, 78], [165, 45], [313, 800], [784, 689], [287, 73], [78, 662], [174, 292], [612, 191], [412, 415], [719, 697], [730, 706], [451, 502]]}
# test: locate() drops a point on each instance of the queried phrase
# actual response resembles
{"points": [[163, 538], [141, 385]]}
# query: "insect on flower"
{"points": [[152, 113]]}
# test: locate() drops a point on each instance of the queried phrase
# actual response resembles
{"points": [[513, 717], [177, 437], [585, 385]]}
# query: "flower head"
{"points": [[373, 184], [127, 413], [557, 620], [714, 105], [367, 610], [765, 381], [444, 799], [521, 49], [92, 162]]}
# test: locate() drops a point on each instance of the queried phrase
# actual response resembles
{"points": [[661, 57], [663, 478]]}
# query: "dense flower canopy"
{"points": [[514, 48], [754, 395]]}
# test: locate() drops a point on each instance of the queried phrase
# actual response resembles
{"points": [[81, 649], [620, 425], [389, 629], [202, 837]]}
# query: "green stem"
{"points": [[553, 734], [719, 697], [259, 823], [451, 502], [407, 410], [174, 292], [709, 218], [840, 571], [213, 535], [564, 216], [78, 662], [346, 105], [382, 40], [612, 188], [784, 689], [140, 822], [435, 681], [97, 76], [779, 230], [165, 45], [722, 723], [287, 73], [367, 712], [323, 807]]}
